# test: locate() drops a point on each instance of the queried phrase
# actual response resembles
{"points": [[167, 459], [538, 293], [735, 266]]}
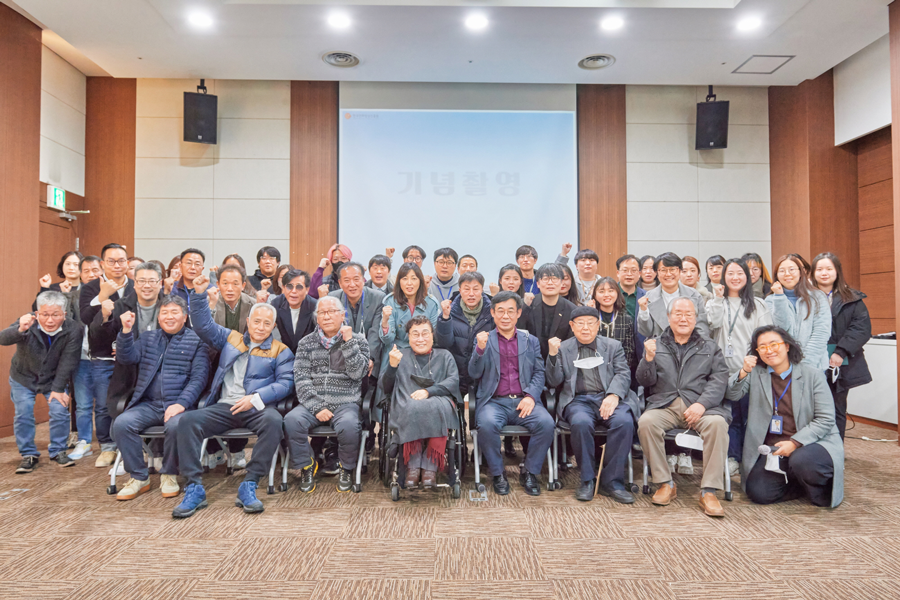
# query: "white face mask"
{"points": [[835, 373], [50, 333], [591, 362]]}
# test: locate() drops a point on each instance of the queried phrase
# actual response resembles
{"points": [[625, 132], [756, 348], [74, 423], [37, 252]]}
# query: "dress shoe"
{"points": [[412, 478], [585, 491], [429, 479], [620, 495], [711, 505], [501, 485], [531, 485], [664, 495]]}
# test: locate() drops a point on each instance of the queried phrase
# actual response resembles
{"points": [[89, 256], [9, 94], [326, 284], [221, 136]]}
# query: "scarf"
{"points": [[471, 314], [327, 342]]}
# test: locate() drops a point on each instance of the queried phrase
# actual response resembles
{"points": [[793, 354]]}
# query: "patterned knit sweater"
{"points": [[329, 378]]}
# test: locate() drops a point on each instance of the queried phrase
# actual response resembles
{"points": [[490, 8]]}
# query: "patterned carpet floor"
{"points": [[62, 537]]}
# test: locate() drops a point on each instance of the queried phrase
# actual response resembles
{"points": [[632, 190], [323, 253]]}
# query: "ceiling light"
{"points": [[339, 21], [200, 20], [476, 22], [612, 23], [749, 24]]}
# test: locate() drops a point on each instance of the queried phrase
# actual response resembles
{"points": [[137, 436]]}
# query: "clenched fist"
{"points": [[427, 281], [323, 263], [644, 303], [265, 284], [777, 288], [749, 363], [323, 290], [394, 356], [65, 287], [719, 289], [45, 281], [389, 252], [566, 248], [201, 282], [25, 322], [347, 333], [495, 289], [386, 315], [650, 350], [262, 296], [482, 339], [445, 308], [213, 298], [106, 307], [553, 345], [127, 319], [168, 284], [529, 298]]}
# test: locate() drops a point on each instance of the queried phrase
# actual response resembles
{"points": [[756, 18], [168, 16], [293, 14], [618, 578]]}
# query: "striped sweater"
{"points": [[329, 378]]}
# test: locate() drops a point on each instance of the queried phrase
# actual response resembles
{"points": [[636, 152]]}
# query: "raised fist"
{"points": [[529, 298], [25, 322], [213, 298], [553, 345], [265, 284], [168, 284], [45, 281], [777, 288], [127, 319], [590, 302], [644, 303], [389, 252], [107, 307], [347, 333], [386, 314], [394, 356], [495, 289], [427, 281], [323, 290], [719, 289], [323, 263], [650, 350], [262, 296], [482, 339], [566, 248], [749, 363], [65, 287], [445, 308], [214, 269], [201, 282], [107, 289]]}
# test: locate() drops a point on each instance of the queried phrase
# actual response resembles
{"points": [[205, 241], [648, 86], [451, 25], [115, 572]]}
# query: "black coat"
{"points": [[559, 328], [456, 335], [290, 337], [89, 291], [850, 330], [39, 367]]}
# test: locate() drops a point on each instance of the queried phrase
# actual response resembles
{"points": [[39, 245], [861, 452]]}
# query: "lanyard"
{"points": [[441, 292], [49, 339], [532, 288], [733, 321], [786, 388], [608, 329], [360, 318]]}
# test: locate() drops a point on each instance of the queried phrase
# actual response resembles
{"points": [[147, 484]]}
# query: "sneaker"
{"points": [[73, 440], [194, 499], [214, 460], [157, 463], [106, 459], [62, 460], [330, 463], [345, 480], [120, 470], [28, 464], [82, 449], [247, 499], [239, 460], [133, 489], [308, 478], [685, 464], [734, 467], [673, 462], [168, 484]]}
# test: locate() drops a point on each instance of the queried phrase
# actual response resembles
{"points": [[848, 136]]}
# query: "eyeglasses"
{"points": [[683, 315], [191, 265], [425, 335], [330, 313], [629, 271], [503, 312], [113, 262], [58, 315], [146, 282], [292, 286], [267, 259], [788, 271], [773, 347], [415, 259], [445, 263], [546, 279], [669, 271]]}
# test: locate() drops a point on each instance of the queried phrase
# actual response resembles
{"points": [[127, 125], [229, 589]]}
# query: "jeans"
{"points": [[84, 401], [24, 424], [739, 411], [101, 372]]}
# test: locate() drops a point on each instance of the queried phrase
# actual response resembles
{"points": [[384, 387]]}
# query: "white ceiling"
{"points": [[405, 40]]}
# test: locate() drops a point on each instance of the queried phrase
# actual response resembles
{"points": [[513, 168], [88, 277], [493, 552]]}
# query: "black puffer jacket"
{"points": [[456, 335], [40, 368], [850, 330]]}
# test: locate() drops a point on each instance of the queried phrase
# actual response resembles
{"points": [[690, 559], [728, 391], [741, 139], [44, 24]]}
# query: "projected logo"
{"points": [[359, 116], [471, 183]]}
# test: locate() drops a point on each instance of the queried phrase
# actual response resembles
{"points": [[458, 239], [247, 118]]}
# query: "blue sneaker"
{"points": [[247, 499], [194, 500]]}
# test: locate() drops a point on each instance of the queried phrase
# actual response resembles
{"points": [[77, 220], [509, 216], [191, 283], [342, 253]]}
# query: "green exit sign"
{"points": [[56, 198]]}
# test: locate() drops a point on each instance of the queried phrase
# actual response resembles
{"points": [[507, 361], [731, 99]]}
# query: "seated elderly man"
{"points": [[173, 366], [254, 373], [510, 377], [685, 376], [48, 348], [328, 373], [595, 377]]}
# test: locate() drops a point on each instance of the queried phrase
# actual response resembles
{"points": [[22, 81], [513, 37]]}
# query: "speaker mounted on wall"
{"points": [[712, 123], [200, 116]]}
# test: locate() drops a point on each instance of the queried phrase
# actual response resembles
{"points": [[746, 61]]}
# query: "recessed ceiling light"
{"points": [[339, 21], [200, 20], [612, 23], [749, 24], [476, 22]]}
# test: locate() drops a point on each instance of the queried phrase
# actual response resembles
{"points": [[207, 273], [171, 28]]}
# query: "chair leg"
{"points": [[149, 454], [728, 495], [112, 477], [477, 454], [203, 453], [285, 461], [357, 485], [646, 488], [554, 464], [271, 488]]}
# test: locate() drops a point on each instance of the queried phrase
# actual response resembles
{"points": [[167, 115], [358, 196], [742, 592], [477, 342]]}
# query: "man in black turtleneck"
{"points": [[268, 259]]}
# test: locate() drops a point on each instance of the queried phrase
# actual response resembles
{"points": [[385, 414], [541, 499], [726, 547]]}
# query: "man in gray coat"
{"points": [[596, 378], [652, 317], [684, 377]]}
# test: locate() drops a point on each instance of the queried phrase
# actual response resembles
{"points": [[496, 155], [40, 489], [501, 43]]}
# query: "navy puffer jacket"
{"points": [[456, 335]]}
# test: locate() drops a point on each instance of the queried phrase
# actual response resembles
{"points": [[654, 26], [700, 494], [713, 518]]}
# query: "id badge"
{"points": [[777, 424], [729, 351]]}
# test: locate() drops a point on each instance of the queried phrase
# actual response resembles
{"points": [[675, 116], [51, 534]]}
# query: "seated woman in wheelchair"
{"points": [[422, 383]]}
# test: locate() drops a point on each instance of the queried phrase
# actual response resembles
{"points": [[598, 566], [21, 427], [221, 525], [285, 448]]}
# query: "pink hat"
{"points": [[344, 250]]}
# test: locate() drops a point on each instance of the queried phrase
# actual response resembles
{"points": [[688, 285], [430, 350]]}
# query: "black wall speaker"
{"points": [[712, 125], [200, 112]]}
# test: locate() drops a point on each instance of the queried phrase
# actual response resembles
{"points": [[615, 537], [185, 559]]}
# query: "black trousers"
{"points": [[840, 406], [810, 473]]}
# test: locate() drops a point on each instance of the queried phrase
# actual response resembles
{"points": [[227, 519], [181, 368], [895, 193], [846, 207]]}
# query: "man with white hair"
{"points": [[328, 373], [254, 373], [48, 349]]}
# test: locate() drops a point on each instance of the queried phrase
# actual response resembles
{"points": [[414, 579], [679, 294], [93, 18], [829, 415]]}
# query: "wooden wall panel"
{"points": [[876, 203], [881, 295], [109, 151], [602, 192], [314, 171], [883, 326], [877, 167], [894, 37], [877, 250], [20, 131]]}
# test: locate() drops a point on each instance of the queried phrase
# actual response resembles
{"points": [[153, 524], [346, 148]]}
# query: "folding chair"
{"points": [[670, 435]]}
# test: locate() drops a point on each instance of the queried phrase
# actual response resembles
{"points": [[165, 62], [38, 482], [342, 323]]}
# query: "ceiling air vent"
{"points": [[341, 59], [596, 61]]}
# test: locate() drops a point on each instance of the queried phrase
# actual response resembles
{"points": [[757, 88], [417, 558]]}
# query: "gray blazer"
{"points": [[371, 322], [659, 320], [813, 411], [614, 373]]}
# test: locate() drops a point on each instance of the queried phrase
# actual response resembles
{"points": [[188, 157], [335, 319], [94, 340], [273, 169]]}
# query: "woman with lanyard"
{"points": [[792, 447], [734, 314], [614, 320], [850, 330], [409, 299]]}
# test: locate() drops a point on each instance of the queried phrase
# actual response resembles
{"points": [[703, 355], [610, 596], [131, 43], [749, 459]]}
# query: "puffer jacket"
{"points": [[183, 364], [39, 367], [456, 335], [851, 328]]}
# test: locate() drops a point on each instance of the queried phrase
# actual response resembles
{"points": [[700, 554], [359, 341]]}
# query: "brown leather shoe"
{"points": [[412, 478], [711, 505], [429, 479], [664, 495]]}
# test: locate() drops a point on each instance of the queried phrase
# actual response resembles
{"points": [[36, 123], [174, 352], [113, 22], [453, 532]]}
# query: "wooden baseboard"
{"points": [[873, 422]]}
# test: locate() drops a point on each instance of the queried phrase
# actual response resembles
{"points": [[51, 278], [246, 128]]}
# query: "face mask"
{"points": [[591, 362], [336, 265], [422, 382], [50, 333], [835, 373]]}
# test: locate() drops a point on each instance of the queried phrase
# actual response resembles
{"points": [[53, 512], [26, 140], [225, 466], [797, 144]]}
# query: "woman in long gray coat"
{"points": [[423, 384], [791, 415]]}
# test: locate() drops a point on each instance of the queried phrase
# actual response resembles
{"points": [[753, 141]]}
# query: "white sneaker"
{"points": [[157, 463], [168, 484], [734, 467], [214, 460], [672, 460], [120, 471], [133, 489], [239, 460], [82, 449], [685, 464]]}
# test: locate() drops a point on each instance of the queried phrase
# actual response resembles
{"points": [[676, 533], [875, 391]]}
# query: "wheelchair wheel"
{"points": [[395, 492], [270, 490], [635, 488], [646, 489], [357, 488], [480, 487], [283, 487], [112, 490], [455, 491]]}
